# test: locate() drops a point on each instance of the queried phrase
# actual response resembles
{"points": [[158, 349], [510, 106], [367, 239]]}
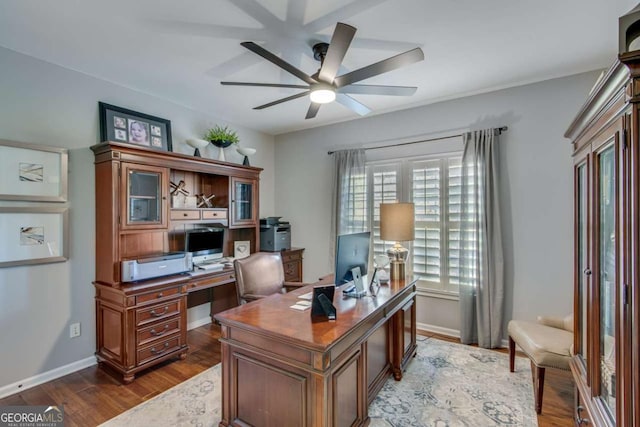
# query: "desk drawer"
{"points": [[158, 331], [217, 214], [184, 214], [152, 296], [153, 313], [210, 282], [157, 349]]}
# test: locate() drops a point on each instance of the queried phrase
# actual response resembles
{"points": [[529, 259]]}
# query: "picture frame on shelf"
{"points": [[241, 249], [35, 235], [32, 172], [134, 128]]}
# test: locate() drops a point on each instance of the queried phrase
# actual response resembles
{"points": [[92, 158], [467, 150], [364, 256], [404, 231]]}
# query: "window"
{"points": [[385, 187], [434, 185], [354, 212]]}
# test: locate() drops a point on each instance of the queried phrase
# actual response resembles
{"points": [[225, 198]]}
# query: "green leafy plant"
{"points": [[219, 133]]}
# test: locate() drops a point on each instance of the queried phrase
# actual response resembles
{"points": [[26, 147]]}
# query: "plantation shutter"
{"points": [[385, 185], [427, 197]]}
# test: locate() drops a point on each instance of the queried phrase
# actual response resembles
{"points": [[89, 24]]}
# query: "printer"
{"points": [[275, 235], [155, 266]]}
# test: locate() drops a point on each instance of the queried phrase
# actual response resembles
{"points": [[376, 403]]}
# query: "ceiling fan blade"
{"points": [[280, 101], [384, 66], [264, 85], [352, 104], [379, 90], [313, 110], [278, 61], [340, 42]]}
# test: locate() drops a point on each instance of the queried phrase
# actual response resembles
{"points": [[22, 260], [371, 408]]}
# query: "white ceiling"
{"points": [[181, 50]]}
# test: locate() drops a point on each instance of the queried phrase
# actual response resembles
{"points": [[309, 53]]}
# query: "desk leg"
{"points": [[397, 345], [403, 338]]}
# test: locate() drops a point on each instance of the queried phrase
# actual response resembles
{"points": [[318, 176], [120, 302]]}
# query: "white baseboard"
{"points": [[198, 323], [46, 376], [438, 330], [454, 333]]}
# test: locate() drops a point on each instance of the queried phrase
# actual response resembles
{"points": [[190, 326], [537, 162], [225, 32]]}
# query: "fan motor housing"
{"points": [[320, 51]]}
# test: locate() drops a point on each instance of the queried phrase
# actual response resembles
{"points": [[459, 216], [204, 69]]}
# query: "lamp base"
{"points": [[397, 270]]}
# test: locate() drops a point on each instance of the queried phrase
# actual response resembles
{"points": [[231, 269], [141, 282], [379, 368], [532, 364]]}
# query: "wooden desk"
{"points": [[280, 368], [143, 323]]}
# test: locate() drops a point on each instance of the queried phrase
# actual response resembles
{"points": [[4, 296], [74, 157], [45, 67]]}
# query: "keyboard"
{"points": [[210, 266]]}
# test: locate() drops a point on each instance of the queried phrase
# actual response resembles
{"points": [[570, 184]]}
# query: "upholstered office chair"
{"points": [[547, 343], [259, 275]]}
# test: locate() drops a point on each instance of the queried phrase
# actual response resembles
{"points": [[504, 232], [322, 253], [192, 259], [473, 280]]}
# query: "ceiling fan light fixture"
{"points": [[322, 94]]}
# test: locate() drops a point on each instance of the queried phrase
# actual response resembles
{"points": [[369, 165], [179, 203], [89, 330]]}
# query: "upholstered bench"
{"points": [[548, 344]]}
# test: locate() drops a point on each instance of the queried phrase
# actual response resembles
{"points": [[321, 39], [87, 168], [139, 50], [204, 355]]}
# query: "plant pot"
{"points": [[221, 143]]}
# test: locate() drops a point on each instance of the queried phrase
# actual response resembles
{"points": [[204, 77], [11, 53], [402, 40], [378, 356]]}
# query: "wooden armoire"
{"points": [[606, 152]]}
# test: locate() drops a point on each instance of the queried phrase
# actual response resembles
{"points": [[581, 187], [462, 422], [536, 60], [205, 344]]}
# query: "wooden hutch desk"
{"points": [[143, 323], [281, 368]]}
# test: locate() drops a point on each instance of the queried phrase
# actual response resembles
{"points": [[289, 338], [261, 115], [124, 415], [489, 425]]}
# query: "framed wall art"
{"points": [[241, 249], [131, 127], [33, 235], [33, 172]]}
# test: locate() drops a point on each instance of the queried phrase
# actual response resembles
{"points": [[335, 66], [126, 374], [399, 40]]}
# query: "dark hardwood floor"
{"points": [[92, 396]]}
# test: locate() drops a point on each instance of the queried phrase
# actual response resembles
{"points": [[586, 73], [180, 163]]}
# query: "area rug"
{"points": [[446, 385]]}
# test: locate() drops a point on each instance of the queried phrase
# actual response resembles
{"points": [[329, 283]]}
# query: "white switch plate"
{"points": [[74, 330]]}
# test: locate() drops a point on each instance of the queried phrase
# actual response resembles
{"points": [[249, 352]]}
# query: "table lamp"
{"points": [[397, 224]]}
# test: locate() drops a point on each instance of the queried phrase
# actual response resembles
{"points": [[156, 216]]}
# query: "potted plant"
{"points": [[221, 137]]}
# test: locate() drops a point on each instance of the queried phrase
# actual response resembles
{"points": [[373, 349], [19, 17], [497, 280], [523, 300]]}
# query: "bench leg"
{"points": [[538, 385], [512, 354]]}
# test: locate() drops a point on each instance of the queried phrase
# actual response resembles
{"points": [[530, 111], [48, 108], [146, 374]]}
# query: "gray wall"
{"points": [[49, 105], [536, 186]]}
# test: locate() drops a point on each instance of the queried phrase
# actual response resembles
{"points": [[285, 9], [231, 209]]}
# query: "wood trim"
{"points": [[634, 282], [596, 105], [109, 150]]}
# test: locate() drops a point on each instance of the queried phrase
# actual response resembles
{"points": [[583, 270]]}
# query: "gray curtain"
{"points": [[481, 259], [349, 170]]}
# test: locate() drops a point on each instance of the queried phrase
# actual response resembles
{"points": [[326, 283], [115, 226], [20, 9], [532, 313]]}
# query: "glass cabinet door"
{"points": [[145, 202], [243, 196], [583, 273], [606, 247]]}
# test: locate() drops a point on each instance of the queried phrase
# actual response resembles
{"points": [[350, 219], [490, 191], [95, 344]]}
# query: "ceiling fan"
{"points": [[324, 86]]}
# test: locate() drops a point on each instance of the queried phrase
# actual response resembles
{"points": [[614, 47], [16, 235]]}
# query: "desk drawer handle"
{"points": [[162, 332], [579, 420], [185, 214], [162, 350], [153, 312]]}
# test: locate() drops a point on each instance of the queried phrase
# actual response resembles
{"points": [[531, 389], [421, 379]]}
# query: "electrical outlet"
{"points": [[74, 330]]}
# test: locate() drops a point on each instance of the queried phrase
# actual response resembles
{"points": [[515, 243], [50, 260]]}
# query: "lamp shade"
{"points": [[397, 222]]}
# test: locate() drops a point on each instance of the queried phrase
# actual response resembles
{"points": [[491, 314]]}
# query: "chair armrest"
{"points": [[565, 323], [292, 286], [252, 297]]}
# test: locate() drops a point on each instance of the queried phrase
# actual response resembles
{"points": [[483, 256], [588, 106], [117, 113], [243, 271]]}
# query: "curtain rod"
{"points": [[500, 130]]}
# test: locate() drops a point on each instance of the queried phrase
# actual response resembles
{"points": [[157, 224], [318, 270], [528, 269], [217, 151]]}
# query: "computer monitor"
{"points": [[352, 250], [205, 244]]}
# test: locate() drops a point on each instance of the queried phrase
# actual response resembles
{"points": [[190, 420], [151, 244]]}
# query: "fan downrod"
{"points": [[320, 51]]}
